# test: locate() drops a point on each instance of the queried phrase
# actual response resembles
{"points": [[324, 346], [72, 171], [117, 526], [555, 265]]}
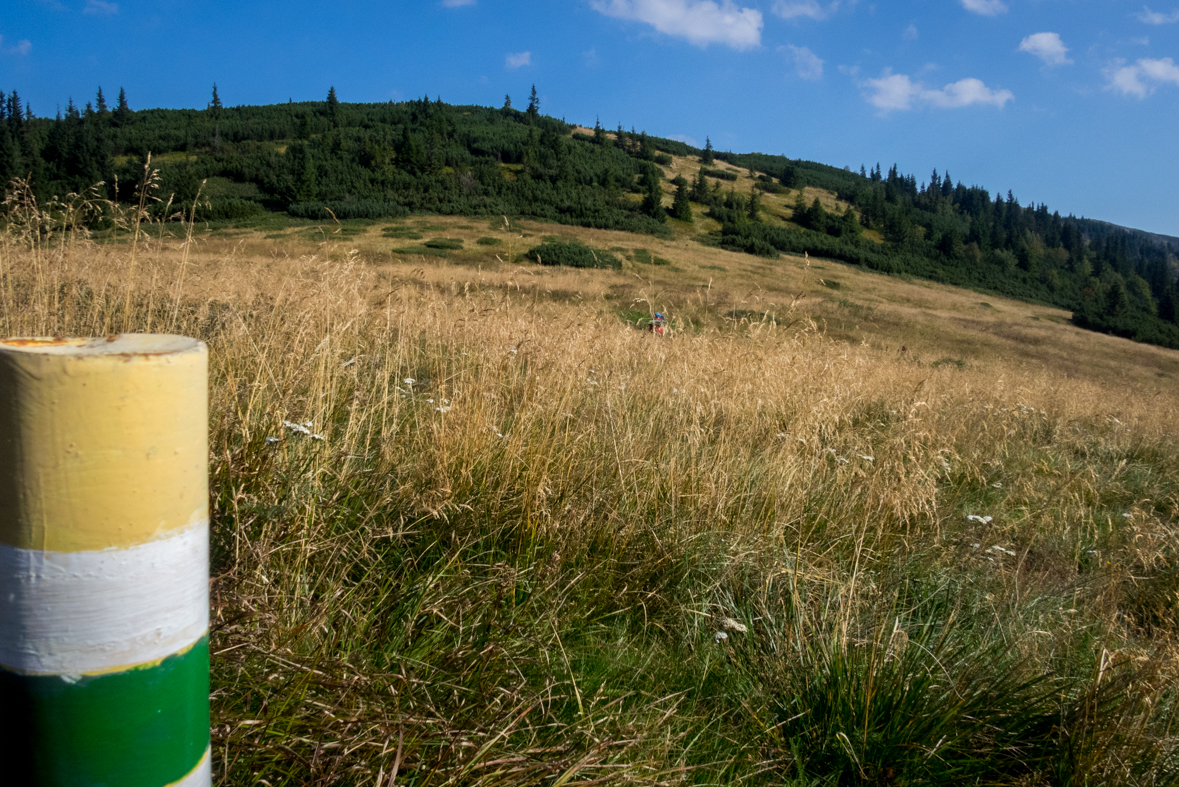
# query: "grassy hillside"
{"points": [[836, 527], [310, 161]]}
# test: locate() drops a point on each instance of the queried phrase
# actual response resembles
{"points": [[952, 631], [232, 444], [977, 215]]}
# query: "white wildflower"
{"points": [[409, 381], [317, 437], [272, 440], [720, 636], [296, 427], [728, 624]]}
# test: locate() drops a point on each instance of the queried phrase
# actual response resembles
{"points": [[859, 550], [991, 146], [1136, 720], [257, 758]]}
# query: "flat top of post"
{"points": [[125, 344]]}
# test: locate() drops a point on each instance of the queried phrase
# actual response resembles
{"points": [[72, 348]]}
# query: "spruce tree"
{"points": [[700, 188], [533, 104], [707, 157], [215, 104], [851, 225], [789, 176], [122, 114], [507, 101], [599, 132], [100, 103], [645, 148], [333, 105], [681, 207], [653, 194], [753, 208], [799, 214]]}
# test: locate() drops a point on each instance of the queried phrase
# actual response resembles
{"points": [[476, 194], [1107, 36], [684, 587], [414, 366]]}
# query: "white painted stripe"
{"points": [[200, 776], [79, 613]]}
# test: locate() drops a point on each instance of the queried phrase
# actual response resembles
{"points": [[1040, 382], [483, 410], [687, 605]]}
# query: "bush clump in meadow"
{"points": [[573, 255], [446, 244], [228, 210], [489, 242], [644, 257], [719, 174], [359, 209], [401, 232]]}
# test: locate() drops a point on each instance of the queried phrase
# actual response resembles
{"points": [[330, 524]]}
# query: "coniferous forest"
{"points": [[372, 161]]}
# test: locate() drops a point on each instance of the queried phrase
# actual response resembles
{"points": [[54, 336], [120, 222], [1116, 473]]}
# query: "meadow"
{"points": [[473, 525]]}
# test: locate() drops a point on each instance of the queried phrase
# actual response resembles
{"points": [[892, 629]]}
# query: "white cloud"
{"points": [[1142, 78], [807, 65], [518, 59], [22, 47], [985, 7], [1155, 18], [701, 22], [1046, 46], [1163, 70], [100, 7], [1126, 80], [810, 9], [892, 92], [910, 33]]}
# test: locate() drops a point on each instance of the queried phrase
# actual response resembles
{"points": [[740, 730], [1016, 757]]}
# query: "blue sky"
{"points": [[1070, 102]]}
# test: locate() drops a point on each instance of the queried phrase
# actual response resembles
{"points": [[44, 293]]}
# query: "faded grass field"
{"points": [[936, 529]]}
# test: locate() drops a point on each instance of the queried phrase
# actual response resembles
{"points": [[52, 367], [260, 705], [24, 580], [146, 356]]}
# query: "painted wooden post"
{"points": [[104, 562]]}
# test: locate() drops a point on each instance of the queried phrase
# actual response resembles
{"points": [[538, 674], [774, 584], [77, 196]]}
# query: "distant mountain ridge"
{"points": [[1096, 229]]}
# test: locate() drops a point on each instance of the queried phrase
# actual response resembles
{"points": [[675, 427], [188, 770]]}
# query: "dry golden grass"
{"points": [[513, 568]]}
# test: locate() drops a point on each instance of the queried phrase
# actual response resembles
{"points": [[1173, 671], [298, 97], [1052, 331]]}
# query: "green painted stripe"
{"points": [[141, 728]]}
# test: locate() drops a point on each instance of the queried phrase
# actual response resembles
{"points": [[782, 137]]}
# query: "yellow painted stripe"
{"points": [[103, 442]]}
